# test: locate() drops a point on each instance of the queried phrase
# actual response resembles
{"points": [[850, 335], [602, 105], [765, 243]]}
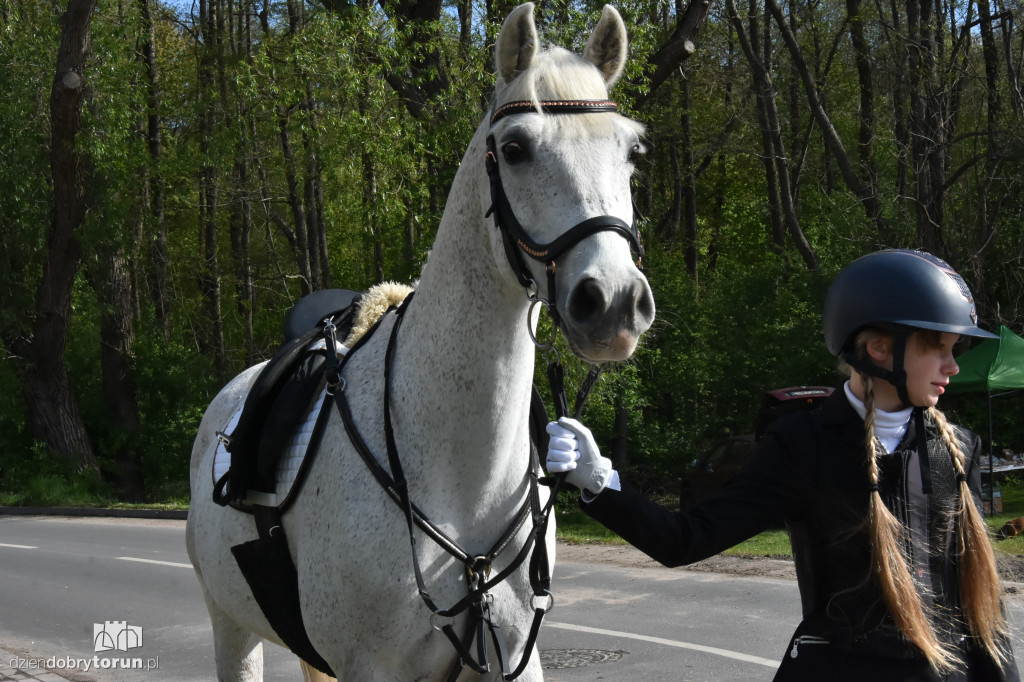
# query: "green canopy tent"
{"points": [[996, 367]]}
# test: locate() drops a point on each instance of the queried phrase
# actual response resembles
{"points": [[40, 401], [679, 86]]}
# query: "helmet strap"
{"points": [[897, 376]]}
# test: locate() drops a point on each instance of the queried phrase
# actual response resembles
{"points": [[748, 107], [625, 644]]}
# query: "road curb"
{"points": [[98, 512]]}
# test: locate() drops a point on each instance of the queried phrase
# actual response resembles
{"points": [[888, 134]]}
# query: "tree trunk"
{"points": [[835, 145], [295, 201], [668, 226], [689, 185], [675, 50], [866, 131], [241, 231], [111, 279], [776, 164], [211, 336], [154, 178], [319, 265], [52, 411]]}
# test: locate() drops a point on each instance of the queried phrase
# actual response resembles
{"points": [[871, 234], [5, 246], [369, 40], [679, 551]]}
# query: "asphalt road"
{"points": [[62, 578]]}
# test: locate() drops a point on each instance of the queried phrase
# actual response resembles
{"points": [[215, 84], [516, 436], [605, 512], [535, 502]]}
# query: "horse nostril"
{"points": [[587, 301], [644, 304]]}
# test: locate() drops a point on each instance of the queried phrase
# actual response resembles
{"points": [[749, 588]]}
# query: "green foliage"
{"points": [[344, 84], [36, 477]]}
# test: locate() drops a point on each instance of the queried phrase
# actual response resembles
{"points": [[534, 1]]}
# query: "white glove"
{"points": [[572, 450]]}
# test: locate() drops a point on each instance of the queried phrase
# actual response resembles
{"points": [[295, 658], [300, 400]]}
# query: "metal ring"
{"points": [[438, 614], [533, 335], [338, 386], [551, 601]]}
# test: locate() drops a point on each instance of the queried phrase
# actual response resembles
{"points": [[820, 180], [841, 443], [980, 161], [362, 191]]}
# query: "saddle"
{"points": [[281, 397]]}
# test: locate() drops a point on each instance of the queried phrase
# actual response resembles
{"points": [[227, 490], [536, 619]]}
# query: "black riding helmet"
{"points": [[901, 291]]}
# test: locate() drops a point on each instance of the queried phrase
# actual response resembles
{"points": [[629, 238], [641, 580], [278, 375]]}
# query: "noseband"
{"points": [[515, 238]]}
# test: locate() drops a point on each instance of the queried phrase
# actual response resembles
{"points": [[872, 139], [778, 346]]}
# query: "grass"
{"points": [[1013, 506], [575, 527]]}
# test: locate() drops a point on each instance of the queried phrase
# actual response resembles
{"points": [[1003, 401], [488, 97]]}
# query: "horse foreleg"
{"points": [[311, 674]]}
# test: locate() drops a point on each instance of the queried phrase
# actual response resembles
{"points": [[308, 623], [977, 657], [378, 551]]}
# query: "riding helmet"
{"points": [[898, 289]]}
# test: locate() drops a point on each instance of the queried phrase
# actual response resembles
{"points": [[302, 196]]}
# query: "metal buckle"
{"points": [[551, 601], [480, 567]]}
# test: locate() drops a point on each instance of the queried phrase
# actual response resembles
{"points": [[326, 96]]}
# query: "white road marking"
{"points": [[668, 642], [153, 561], [3, 544]]}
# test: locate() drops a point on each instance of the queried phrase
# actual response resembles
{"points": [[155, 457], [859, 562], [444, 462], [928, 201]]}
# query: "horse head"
{"points": [[560, 161]]}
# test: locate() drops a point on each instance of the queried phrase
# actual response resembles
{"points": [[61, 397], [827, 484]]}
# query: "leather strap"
{"points": [[580, 106]]}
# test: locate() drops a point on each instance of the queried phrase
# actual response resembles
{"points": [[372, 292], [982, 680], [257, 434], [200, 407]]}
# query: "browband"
{"points": [[579, 106]]}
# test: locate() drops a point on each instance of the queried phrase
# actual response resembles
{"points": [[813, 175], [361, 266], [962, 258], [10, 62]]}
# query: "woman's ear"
{"points": [[879, 349]]}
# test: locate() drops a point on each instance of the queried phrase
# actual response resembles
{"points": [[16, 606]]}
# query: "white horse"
{"points": [[462, 373]]}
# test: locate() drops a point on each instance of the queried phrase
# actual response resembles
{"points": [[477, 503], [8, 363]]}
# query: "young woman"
{"points": [[879, 493]]}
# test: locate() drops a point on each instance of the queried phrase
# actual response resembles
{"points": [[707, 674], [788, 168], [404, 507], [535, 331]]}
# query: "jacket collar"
{"points": [[838, 414]]}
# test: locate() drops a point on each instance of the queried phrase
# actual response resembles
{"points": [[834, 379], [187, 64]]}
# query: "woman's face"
{"points": [[929, 364]]}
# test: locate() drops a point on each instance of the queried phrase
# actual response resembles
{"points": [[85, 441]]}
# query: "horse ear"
{"points": [[607, 46], [517, 43]]}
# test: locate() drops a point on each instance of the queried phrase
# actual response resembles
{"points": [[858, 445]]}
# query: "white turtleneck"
{"points": [[889, 426]]}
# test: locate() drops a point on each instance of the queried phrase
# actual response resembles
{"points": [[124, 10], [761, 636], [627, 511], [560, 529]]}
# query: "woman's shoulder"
{"points": [[835, 416]]}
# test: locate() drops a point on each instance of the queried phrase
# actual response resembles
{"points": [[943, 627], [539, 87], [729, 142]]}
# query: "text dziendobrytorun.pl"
{"points": [[84, 664]]}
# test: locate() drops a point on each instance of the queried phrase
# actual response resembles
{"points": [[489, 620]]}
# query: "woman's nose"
{"points": [[951, 367]]}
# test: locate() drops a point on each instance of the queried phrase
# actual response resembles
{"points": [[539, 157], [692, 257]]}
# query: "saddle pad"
{"points": [[287, 465]]}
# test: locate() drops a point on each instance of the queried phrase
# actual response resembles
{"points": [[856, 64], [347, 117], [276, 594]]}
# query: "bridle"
{"points": [[515, 239], [517, 242], [482, 619]]}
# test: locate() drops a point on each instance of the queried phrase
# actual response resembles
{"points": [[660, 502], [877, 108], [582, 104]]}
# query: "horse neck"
{"points": [[466, 359]]}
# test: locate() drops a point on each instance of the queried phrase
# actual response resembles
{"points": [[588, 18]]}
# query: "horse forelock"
{"points": [[557, 74]]}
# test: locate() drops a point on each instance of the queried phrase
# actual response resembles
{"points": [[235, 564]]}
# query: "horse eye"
{"points": [[513, 152], [636, 153]]}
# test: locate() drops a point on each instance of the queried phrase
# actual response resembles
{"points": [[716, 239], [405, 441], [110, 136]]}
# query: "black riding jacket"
{"points": [[809, 474]]}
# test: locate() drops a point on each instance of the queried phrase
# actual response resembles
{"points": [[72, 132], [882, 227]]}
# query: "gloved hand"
{"points": [[572, 450]]}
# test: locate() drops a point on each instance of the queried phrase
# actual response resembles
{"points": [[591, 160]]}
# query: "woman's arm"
{"points": [[759, 498]]}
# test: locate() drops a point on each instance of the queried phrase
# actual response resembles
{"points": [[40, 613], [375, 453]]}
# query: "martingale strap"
{"points": [[482, 618]]}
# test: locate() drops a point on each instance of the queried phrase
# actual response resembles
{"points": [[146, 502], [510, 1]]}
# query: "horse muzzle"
{"points": [[603, 317]]}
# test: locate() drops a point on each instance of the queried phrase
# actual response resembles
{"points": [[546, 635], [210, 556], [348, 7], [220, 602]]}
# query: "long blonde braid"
{"points": [[888, 560], [979, 579]]}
